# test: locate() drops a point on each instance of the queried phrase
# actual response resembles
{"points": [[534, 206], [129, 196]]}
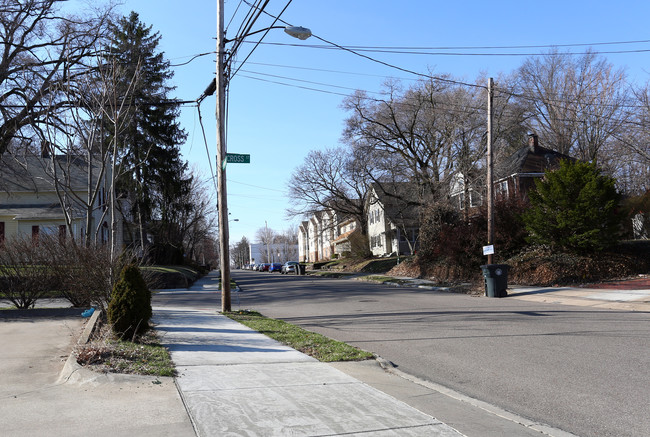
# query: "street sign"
{"points": [[238, 158], [488, 250]]}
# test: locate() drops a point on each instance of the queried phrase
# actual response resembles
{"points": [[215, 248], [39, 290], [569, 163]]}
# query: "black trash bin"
{"points": [[496, 279], [300, 269]]}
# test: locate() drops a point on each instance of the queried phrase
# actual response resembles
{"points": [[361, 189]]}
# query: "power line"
{"points": [[406, 70], [419, 51], [305, 81], [263, 36], [323, 70]]}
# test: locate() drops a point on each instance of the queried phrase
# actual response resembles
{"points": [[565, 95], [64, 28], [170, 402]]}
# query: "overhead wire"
{"points": [[258, 7], [263, 36], [234, 14], [398, 51], [378, 61], [255, 12]]}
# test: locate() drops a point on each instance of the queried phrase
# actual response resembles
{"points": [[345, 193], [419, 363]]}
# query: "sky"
{"points": [[285, 101]]}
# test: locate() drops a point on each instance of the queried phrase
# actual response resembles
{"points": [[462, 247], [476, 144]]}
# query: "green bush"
{"points": [[574, 208], [129, 310]]}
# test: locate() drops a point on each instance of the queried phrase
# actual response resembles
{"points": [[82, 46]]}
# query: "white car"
{"points": [[289, 267]]}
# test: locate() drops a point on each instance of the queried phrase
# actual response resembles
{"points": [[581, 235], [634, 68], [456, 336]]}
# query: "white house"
{"points": [[273, 253], [31, 203], [393, 218], [324, 235]]}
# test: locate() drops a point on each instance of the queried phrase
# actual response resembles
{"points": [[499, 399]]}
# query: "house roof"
{"points": [[51, 211], [345, 236], [32, 173], [531, 158]]}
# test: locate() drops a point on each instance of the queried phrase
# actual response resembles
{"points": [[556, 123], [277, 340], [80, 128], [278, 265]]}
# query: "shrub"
{"points": [[25, 275], [129, 310], [449, 239], [574, 208]]}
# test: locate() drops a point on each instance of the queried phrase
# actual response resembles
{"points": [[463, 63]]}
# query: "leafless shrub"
{"points": [[84, 275], [25, 275]]}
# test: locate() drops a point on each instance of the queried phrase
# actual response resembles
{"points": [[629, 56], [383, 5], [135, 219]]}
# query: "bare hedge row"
{"points": [[31, 270]]}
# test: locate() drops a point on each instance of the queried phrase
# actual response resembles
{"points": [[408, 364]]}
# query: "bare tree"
{"points": [[576, 104], [423, 134], [197, 222], [329, 179], [265, 237], [240, 252], [630, 154], [42, 51]]}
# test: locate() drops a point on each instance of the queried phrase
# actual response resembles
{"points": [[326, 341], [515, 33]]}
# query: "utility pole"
{"points": [[222, 197], [490, 187], [268, 250]]}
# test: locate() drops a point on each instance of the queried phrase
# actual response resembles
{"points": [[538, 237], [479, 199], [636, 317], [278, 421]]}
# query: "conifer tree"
{"points": [[150, 142], [574, 208]]}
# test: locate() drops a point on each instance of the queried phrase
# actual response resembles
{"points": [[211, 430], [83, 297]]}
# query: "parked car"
{"points": [[289, 267], [264, 267], [275, 267]]}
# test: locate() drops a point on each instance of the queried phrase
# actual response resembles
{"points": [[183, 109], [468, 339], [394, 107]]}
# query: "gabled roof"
{"points": [[345, 237], [30, 173], [532, 158], [50, 211]]}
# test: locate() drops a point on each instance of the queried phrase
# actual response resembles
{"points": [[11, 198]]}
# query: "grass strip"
{"points": [[143, 356], [315, 345]]}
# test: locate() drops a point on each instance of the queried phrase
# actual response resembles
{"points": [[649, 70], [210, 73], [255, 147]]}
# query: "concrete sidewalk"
{"points": [[236, 381], [619, 298]]}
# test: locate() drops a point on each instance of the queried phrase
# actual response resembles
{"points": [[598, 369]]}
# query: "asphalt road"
{"points": [[581, 370]]}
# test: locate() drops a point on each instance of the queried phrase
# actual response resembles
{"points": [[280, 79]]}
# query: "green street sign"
{"points": [[238, 158]]}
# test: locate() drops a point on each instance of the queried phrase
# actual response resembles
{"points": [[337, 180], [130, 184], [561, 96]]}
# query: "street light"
{"points": [[220, 84]]}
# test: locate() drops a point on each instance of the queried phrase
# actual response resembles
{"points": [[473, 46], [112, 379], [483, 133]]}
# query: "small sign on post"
{"points": [[236, 158], [488, 250]]}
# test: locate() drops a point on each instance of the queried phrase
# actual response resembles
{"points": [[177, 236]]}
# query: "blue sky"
{"points": [[278, 124]]}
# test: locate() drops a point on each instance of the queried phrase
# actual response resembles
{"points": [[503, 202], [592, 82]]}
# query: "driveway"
{"points": [[34, 400]]}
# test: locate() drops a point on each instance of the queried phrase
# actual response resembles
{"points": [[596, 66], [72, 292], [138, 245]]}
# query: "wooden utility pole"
{"points": [[490, 177], [222, 197]]}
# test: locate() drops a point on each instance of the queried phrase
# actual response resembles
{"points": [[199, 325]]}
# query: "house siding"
{"points": [[36, 203]]}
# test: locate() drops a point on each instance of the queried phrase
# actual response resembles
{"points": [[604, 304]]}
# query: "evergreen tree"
{"points": [[150, 140], [574, 208], [129, 310]]}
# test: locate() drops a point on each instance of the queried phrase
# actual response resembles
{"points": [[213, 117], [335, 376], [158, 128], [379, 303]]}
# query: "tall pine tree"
{"points": [[149, 142]]}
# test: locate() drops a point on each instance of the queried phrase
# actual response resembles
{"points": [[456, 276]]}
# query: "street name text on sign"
{"points": [[236, 158]]}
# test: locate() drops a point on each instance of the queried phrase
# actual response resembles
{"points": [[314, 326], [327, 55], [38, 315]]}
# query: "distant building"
{"points": [[326, 235], [275, 253]]}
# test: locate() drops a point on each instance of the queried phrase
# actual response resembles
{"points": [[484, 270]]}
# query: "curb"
{"points": [[71, 366], [542, 428]]}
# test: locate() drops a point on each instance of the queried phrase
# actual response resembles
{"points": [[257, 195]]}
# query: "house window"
{"points": [[62, 233], [35, 232], [502, 189], [475, 199], [2, 232], [461, 200]]}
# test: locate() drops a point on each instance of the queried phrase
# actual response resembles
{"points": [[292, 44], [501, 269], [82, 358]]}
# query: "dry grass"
{"points": [[143, 355]]}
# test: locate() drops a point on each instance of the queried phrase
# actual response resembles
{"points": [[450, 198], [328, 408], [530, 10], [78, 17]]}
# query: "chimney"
{"points": [[45, 150], [533, 142]]}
